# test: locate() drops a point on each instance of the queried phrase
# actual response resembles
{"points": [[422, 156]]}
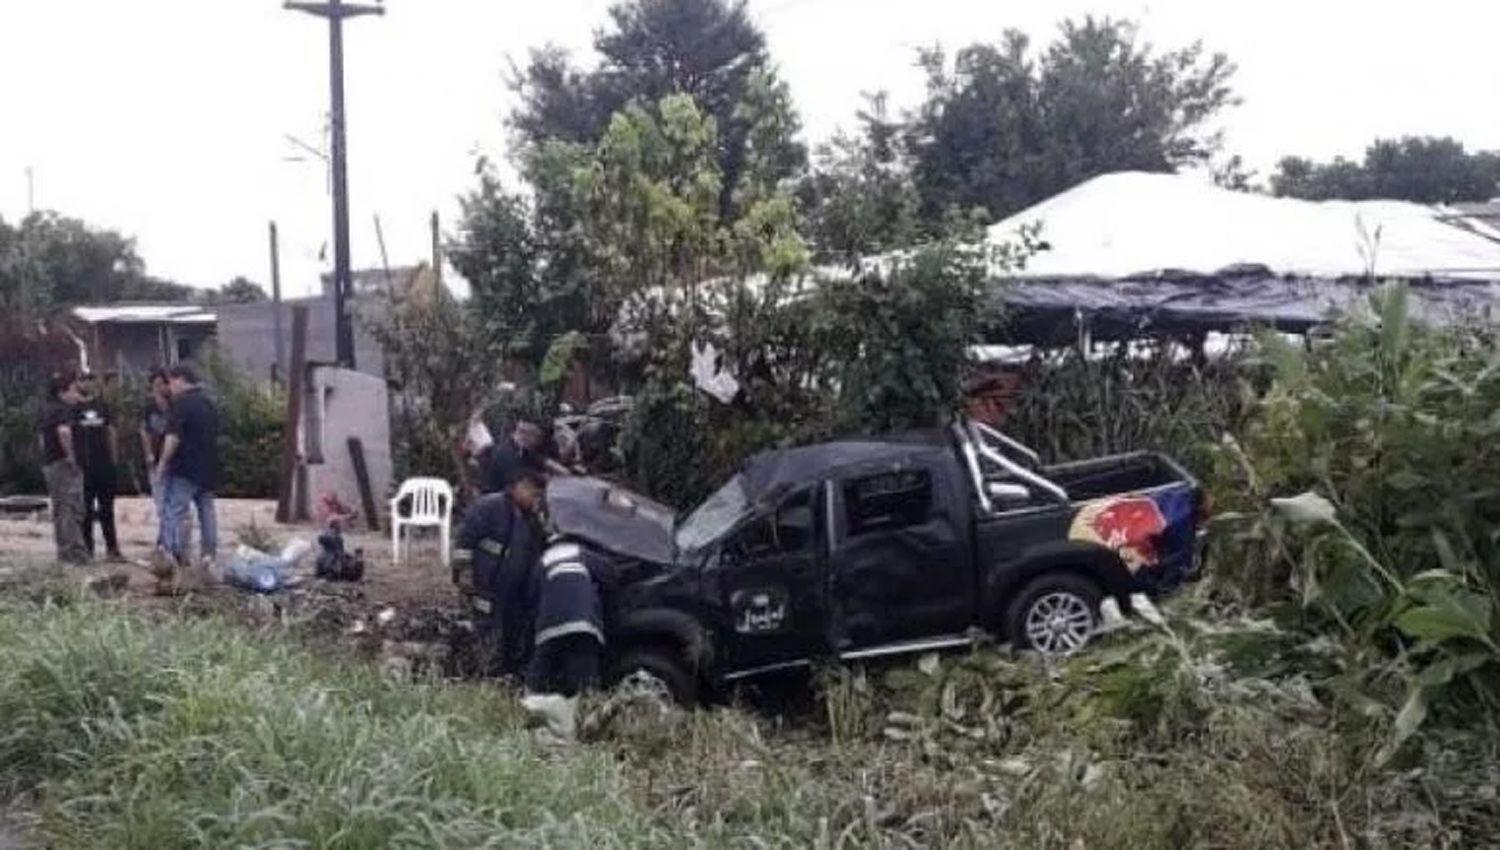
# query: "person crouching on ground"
{"points": [[569, 638], [189, 470], [60, 466], [498, 545], [98, 451]]}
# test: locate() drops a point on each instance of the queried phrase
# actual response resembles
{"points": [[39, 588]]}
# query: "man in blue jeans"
{"points": [[188, 469]]}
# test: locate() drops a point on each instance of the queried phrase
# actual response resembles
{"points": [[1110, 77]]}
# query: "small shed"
{"points": [[134, 338]]}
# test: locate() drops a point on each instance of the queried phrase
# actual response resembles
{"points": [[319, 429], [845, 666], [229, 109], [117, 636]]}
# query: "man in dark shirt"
{"points": [[155, 417], [189, 470], [95, 441], [60, 466], [502, 460]]}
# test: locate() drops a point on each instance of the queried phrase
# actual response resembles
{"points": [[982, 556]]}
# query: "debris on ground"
{"points": [[252, 569]]}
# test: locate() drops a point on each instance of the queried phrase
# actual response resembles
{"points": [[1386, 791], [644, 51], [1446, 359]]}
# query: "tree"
{"points": [[1424, 170], [709, 50], [241, 291], [1000, 131], [860, 198], [51, 261], [445, 357]]}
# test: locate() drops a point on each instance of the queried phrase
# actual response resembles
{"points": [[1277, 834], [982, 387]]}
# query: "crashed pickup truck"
{"points": [[864, 549]]}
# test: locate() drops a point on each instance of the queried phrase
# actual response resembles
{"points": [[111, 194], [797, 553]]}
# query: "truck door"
{"points": [[770, 575], [901, 563]]}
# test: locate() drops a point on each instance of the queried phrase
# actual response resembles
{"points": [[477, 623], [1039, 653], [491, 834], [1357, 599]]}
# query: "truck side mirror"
{"points": [[1008, 496]]}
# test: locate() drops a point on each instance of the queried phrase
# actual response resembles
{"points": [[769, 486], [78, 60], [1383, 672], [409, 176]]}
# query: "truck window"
{"points": [[888, 500], [786, 531]]}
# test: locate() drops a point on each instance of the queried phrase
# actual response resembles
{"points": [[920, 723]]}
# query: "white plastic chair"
{"points": [[431, 501]]}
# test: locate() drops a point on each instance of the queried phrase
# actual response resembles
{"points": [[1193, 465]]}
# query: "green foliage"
{"points": [[1423, 169], [901, 338], [252, 417], [447, 360], [1148, 395], [240, 291], [707, 50], [134, 730], [1001, 130], [861, 198], [1385, 428], [51, 261]]}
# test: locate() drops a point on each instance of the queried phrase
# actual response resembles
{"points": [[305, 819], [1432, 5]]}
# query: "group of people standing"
{"points": [[80, 454], [539, 614]]}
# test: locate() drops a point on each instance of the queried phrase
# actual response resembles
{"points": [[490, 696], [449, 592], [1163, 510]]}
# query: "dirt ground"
{"points": [[422, 580], [407, 615]]}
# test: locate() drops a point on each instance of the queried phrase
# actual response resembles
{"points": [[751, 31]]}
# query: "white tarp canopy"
{"points": [[1130, 223], [1131, 250]]}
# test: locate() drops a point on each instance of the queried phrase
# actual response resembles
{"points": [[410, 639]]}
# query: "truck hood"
{"points": [[612, 518]]}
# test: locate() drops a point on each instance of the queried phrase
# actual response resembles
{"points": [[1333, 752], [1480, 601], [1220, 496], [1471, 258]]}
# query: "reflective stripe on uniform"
{"points": [[492, 546], [463, 556], [560, 552], [483, 605], [573, 569], [572, 627]]}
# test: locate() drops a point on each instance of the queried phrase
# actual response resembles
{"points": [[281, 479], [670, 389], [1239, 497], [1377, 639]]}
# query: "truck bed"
{"points": [[1109, 476]]}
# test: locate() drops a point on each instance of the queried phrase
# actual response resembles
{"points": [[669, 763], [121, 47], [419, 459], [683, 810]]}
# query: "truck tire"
{"points": [[665, 664], [1054, 614]]}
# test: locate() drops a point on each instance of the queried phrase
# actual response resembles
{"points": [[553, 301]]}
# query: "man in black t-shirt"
{"points": [[96, 444], [60, 466], [189, 470]]}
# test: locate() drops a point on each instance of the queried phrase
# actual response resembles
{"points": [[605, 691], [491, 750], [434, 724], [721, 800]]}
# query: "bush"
{"points": [[883, 351], [252, 419], [1380, 446]]}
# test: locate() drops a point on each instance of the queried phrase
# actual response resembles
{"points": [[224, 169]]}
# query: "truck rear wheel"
{"points": [[1054, 614], [663, 664]]}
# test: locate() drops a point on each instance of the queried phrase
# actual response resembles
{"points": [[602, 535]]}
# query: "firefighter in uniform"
{"points": [[568, 638], [495, 559]]}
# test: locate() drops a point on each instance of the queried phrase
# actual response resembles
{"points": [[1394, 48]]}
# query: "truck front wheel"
{"points": [[1054, 614], [661, 663]]}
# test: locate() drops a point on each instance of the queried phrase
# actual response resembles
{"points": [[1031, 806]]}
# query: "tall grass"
{"points": [[134, 730]]}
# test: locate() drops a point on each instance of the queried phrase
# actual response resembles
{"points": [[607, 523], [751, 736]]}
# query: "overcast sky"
{"points": [[167, 119]]}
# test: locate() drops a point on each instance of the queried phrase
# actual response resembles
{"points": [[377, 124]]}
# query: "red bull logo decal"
{"points": [[1129, 525]]}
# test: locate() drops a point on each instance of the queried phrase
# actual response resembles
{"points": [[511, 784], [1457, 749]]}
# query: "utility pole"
{"points": [[280, 342], [335, 11]]}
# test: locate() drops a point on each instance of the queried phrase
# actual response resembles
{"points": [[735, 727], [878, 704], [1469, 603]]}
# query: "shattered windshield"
{"points": [[713, 517]]}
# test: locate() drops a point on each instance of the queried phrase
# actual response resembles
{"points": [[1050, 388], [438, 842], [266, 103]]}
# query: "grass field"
{"points": [[126, 728]]}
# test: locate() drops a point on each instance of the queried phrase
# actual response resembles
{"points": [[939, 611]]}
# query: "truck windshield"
{"points": [[713, 517]]}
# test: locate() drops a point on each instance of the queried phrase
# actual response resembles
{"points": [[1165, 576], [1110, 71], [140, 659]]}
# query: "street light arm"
{"points": [[326, 10]]}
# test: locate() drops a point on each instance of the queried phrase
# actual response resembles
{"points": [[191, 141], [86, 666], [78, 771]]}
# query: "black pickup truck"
{"points": [[862, 549]]}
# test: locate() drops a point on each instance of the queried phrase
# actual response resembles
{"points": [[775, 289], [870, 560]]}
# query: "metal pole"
{"points": [[276, 304]]}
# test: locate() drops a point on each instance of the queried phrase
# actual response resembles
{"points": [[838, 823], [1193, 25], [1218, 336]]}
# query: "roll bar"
{"points": [[975, 442]]}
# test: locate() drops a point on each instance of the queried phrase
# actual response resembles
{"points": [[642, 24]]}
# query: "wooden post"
{"points": [[362, 477], [284, 504]]}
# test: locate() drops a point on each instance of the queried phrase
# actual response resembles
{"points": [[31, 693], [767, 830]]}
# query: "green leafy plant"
{"points": [[1386, 428]]}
